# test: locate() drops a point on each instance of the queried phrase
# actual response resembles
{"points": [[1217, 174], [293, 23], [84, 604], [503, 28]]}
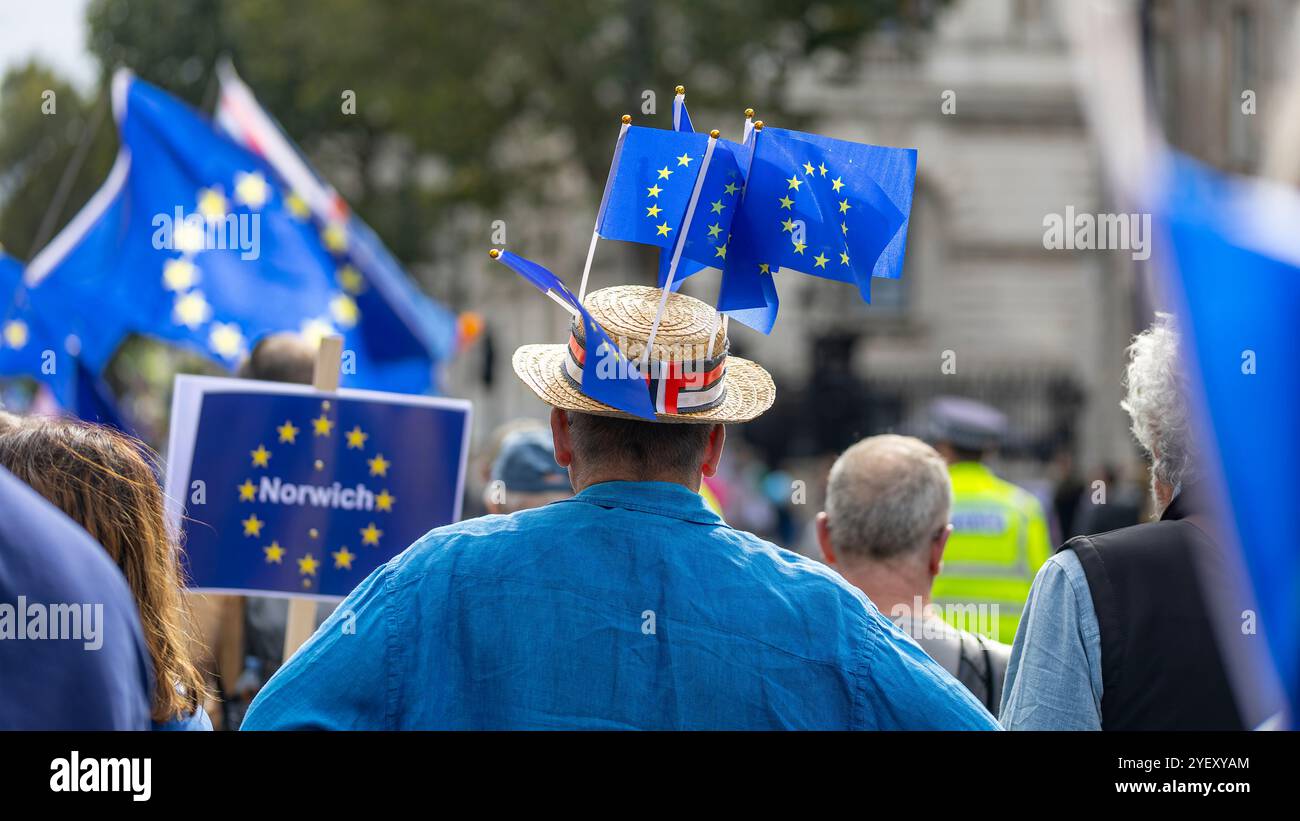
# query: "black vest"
{"points": [[1161, 664]]}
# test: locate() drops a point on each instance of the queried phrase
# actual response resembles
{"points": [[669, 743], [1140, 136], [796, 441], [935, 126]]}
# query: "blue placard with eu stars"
{"points": [[293, 491]]}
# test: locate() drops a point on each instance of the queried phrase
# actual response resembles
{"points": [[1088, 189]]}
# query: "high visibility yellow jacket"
{"points": [[999, 541]]}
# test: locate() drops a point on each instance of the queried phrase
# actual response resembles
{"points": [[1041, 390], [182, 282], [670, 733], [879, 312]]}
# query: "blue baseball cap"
{"points": [[526, 464]]}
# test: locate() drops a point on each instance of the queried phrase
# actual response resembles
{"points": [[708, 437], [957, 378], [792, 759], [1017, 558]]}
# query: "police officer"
{"points": [[1000, 536]]}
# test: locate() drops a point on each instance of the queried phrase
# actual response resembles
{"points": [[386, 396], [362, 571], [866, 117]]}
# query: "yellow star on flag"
{"points": [[653, 211], [252, 525], [297, 206], [820, 260], [247, 491], [179, 274], [807, 168], [787, 225], [714, 230], [844, 206], [335, 237], [212, 205], [349, 279], [378, 465], [343, 558], [307, 565], [192, 310], [664, 173], [357, 438], [288, 433], [786, 203], [764, 268], [720, 251], [322, 425], [653, 191], [844, 258], [685, 160], [274, 553], [822, 168], [731, 188], [384, 501], [16, 333], [795, 182], [226, 340], [663, 229], [717, 206], [370, 534], [837, 184], [799, 246], [188, 238], [344, 310], [251, 189], [261, 457], [844, 226]]}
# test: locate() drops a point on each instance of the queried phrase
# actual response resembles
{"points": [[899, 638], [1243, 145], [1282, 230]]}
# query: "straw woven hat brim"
{"points": [[750, 390]]}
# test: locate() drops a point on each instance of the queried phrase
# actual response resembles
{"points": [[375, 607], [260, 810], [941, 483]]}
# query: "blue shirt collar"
{"points": [[661, 498]]}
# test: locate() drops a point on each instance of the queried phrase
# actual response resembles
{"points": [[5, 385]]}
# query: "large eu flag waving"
{"points": [[192, 240]]}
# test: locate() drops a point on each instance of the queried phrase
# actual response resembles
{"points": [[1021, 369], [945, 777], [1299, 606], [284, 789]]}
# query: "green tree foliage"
{"points": [[478, 100], [501, 94], [39, 134]]}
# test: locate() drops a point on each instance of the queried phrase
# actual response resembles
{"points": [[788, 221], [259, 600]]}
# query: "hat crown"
{"points": [[627, 313]]}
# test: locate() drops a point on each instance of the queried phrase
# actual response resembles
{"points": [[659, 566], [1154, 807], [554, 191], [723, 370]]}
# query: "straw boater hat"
{"points": [[698, 389]]}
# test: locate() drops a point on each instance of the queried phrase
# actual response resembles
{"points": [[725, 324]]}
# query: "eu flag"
{"points": [[402, 326], [828, 208], [191, 240], [30, 345], [308, 492], [1236, 266], [650, 185], [607, 375]]}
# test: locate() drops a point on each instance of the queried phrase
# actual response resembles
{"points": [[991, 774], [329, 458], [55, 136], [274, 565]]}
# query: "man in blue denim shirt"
{"points": [[629, 606]]}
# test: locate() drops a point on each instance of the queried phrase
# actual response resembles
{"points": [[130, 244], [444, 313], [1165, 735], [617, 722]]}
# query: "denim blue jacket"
{"points": [[629, 606]]}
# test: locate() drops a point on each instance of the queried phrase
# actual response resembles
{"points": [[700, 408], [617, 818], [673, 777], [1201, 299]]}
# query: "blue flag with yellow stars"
{"points": [[305, 492], [193, 240], [606, 374], [824, 207], [650, 184], [31, 346]]}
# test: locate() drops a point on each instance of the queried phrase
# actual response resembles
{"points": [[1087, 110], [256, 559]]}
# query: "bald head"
{"points": [[887, 498]]}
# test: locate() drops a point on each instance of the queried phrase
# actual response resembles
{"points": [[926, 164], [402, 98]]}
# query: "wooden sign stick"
{"points": [[302, 612]]}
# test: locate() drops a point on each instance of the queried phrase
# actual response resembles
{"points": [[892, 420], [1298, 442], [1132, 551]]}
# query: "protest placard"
{"points": [[289, 490]]}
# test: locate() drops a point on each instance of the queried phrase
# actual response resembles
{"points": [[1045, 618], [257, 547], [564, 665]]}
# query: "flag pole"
{"points": [[718, 316], [301, 622], [591, 249], [678, 246], [496, 254]]}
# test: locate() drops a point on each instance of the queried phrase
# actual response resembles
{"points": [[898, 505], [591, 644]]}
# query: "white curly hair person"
{"points": [[1157, 403]]}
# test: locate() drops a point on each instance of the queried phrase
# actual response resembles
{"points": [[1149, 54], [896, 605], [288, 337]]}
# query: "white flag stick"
{"points": [[719, 317], [591, 249], [677, 248]]}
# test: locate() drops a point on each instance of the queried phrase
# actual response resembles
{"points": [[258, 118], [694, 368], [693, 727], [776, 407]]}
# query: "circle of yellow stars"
{"points": [[287, 433], [794, 185]]}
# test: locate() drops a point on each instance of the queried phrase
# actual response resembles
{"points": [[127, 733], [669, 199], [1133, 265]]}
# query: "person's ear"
{"points": [[713, 455], [824, 537], [560, 436], [936, 550]]}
